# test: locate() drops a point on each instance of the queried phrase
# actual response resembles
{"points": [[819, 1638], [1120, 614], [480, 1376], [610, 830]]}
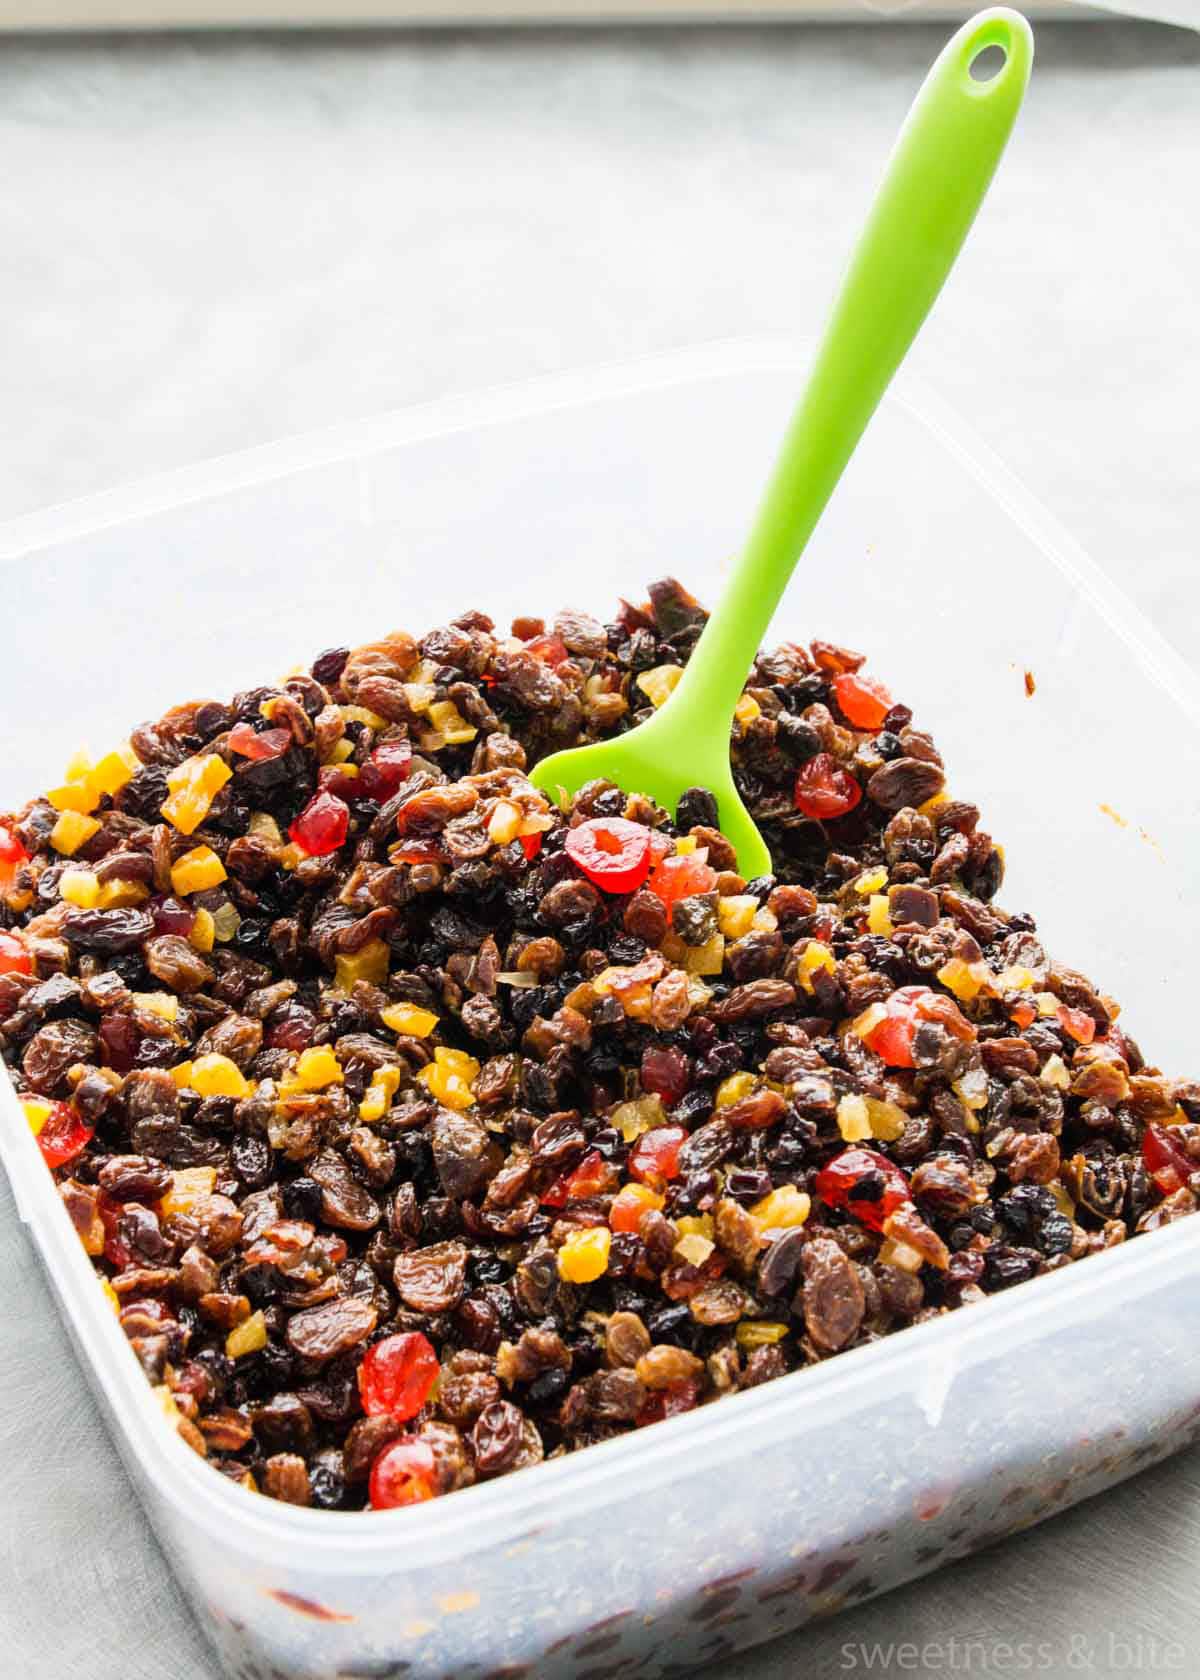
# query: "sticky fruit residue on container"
{"points": [[419, 1130]]}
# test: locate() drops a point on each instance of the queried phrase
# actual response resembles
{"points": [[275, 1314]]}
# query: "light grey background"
{"points": [[207, 243]]}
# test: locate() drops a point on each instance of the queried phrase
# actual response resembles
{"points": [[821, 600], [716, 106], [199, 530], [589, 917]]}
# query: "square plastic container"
{"points": [[710, 1532]]}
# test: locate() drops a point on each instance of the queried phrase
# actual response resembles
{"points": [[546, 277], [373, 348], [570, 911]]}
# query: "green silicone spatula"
{"points": [[943, 160]]}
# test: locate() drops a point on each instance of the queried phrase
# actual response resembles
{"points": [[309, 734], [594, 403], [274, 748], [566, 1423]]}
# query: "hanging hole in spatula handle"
{"points": [[996, 45]]}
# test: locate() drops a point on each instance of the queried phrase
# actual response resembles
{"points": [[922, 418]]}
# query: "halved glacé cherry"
{"points": [[824, 790], [397, 1375], [403, 1474], [613, 853], [1167, 1162], [864, 1183], [864, 701]]}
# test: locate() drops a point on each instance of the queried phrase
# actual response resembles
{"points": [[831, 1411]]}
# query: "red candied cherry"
{"points": [[250, 743], [64, 1134], [322, 825], [655, 1156], [382, 774], [613, 853], [824, 790], [397, 1374], [1167, 1162], [403, 1474], [864, 1183], [864, 701], [12, 856], [906, 1009], [682, 876], [14, 958], [531, 845], [589, 1178], [666, 1072]]}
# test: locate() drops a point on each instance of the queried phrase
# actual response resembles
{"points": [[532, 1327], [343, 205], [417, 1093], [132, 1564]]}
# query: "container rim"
{"points": [[644, 1458]]}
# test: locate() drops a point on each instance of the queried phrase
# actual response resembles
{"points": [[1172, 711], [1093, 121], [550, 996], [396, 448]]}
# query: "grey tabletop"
{"points": [[211, 242]]}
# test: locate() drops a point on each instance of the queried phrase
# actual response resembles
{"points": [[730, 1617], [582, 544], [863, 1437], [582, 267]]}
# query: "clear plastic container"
{"points": [[721, 1528]]}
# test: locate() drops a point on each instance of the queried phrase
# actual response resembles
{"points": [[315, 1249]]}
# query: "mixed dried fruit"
{"points": [[420, 1131]]}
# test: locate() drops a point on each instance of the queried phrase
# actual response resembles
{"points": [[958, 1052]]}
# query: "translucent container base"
{"points": [[663, 1550]]}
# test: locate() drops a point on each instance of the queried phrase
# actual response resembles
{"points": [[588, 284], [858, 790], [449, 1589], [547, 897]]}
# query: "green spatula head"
{"points": [[934, 183]]}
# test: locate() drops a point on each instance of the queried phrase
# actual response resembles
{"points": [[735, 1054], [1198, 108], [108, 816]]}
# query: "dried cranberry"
{"points": [[172, 915], [119, 1040], [655, 1156], [531, 845], [291, 1028], [14, 958], [322, 825], [864, 701], [397, 1374], [64, 1134], [665, 1071], [864, 1183], [669, 1402], [614, 854], [824, 790], [403, 1474]]}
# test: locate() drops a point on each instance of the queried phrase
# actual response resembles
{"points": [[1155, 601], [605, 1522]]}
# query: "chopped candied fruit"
{"points": [[450, 1077], [584, 1256], [409, 1019], [322, 825], [193, 785], [196, 871], [864, 701], [682, 877], [654, 1159]]}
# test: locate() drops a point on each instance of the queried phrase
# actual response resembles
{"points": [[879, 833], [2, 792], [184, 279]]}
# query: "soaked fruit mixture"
{"points": [[419, 1131]]}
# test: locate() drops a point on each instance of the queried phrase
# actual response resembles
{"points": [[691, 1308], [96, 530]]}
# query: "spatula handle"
{"points": [[934, 183]]}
